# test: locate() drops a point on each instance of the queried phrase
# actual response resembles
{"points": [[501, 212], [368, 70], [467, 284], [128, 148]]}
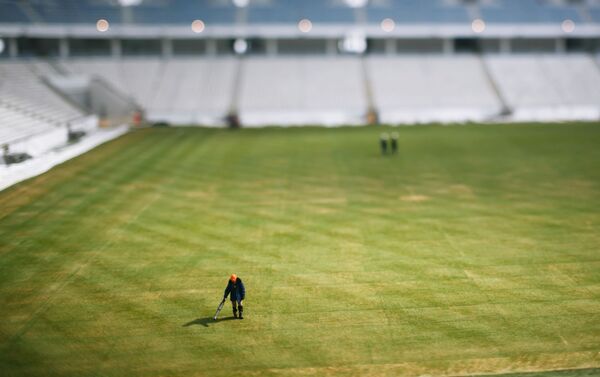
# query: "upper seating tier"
{"points": [[527, 11], [287, 12]]}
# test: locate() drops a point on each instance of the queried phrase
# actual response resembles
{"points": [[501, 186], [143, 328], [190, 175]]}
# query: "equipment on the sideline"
{"points": [[219, 309]]}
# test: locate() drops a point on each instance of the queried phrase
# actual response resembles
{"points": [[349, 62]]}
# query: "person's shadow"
{"points": [[207, 320]]}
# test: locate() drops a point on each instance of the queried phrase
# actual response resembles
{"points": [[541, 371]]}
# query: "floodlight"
{"points": [[240, 46], [568, 26], [102, 25], [305, 25], [388, 25], [478, 25], [198, 26]]}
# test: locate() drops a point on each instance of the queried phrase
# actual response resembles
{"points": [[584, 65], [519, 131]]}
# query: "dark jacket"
{"points": [[237, 290]]}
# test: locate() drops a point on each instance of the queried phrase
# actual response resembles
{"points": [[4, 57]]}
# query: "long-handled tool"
{"points": [[219, 309]]}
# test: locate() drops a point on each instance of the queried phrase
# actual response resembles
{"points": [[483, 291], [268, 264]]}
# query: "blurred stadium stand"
{"points": [[33, 117], [529, 11], [11, 11], [36, 116], [22, 124], [28, 107], [417, 11], [284, 11], [549, 87], [430, 60], [304, 90], [292, 11], [23, 88], [432, 88]]}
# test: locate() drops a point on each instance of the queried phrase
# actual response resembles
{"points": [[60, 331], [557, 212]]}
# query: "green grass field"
{"points": [[476, 250]]}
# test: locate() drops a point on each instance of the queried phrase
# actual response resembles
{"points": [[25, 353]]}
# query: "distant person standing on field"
{"points": [[238, 293], [383, 142], [394, 142]]}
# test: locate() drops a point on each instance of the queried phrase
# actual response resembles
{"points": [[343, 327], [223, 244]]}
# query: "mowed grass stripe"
{"points": [[472, 251], [103, 162], [69, 273], [135, 168]]}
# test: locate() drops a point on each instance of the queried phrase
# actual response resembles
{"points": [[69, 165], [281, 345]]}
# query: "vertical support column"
{"points": [[505, 47], [331, 47], [241, 15], [211, 47], [561, 45], [271, 47], [167, 48], [63, 48], [391, 47], [13, 48], [448, 46], [115, 48], [127, 15]]}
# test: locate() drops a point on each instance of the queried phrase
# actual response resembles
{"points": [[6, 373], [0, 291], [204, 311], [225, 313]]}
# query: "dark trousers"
{"points": [[383, 144], [237, 305]]}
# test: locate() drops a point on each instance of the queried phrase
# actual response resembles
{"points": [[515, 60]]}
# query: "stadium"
{"points": [[300, 188]]}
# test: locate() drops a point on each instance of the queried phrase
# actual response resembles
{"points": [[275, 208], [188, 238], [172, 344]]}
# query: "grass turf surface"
{"points": [[473, 251]]}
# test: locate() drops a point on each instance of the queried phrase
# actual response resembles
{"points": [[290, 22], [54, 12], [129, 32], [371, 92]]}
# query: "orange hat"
{"points": [[233, 278]]}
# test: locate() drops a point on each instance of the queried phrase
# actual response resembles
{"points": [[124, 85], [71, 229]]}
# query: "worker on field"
{"points": [[238, 293], [383, 142], [394, 142]]}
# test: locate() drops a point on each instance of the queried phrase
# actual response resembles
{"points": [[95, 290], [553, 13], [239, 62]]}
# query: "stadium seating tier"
{"points": [[288, 12]]}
